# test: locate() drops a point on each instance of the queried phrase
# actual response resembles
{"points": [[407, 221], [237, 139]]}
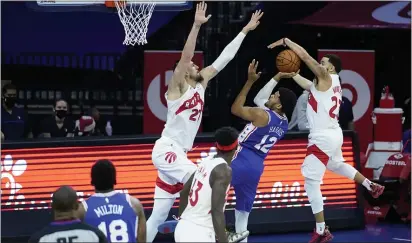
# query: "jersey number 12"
{"points": [[266, 144], [117, 230]]}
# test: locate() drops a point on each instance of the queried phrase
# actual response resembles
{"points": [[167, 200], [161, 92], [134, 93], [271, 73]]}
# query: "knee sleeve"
{"points": [[161, 208], [312, 188], [343, 169]]}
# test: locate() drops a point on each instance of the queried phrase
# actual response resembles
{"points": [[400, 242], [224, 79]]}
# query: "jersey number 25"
{"points": [[336, 106], [266, 144]]}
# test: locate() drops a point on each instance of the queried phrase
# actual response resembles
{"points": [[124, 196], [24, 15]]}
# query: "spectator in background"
{"points": [[346, 115], [299, 121], [58, 125], [14, 120], [407, 126], [102, 127], [84, 126]]}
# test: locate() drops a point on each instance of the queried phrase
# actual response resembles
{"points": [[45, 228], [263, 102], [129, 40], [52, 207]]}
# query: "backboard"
{"points": [[100, 6]]}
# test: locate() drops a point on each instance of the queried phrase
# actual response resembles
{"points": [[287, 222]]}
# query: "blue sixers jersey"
{"points": [[113, 214], [259, 140]]}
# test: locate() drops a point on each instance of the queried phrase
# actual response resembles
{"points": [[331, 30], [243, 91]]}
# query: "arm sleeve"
{"points": [[264, 94], [229, 52]]}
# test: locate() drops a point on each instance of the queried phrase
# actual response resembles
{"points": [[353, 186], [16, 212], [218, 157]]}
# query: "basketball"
{"points": [[287, 62]]}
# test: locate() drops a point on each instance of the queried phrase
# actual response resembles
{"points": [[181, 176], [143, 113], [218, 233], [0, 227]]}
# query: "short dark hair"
{"points": [[8, 86], [226, 136], [61, 99], [288, 101], [103, 175], [64, 199], [336, 61]]}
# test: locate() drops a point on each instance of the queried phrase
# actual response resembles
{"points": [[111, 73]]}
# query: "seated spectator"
{"points": [[102, 127], [84, 126], [346, 115], [58, 125], [406, 140], [299, 121], [14, 120]]}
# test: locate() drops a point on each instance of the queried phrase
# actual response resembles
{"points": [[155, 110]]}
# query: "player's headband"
{"points": [[229, 147]]}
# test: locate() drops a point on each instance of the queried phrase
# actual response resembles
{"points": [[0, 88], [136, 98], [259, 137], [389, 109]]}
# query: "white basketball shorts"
{"points": [[173, 168], [187, 231], [324, 149]]}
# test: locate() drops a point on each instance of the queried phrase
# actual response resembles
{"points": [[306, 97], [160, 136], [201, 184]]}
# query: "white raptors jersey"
{"points": [[184, 116], [323, 107], [199, 206]]}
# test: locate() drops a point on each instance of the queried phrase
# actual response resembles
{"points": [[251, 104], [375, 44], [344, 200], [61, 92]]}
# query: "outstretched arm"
{"points": [[264, 94], [303, 82], [314, 66], [219, 182], [177, 84], [256, 115], [230, 50]]}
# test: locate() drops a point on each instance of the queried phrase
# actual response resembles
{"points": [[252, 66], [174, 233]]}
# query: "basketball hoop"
{"points": [[135, 17]]}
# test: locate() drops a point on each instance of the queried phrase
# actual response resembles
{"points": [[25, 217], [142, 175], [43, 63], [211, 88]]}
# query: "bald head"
{"points": [[64, 199]]}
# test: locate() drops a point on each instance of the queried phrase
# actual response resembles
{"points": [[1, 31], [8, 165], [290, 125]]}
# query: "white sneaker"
{"points": [[236, 237]]}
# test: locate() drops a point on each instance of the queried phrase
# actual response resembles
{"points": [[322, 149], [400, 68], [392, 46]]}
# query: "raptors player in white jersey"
{"points": [[203, 198], [324, 149], [185, 101]]}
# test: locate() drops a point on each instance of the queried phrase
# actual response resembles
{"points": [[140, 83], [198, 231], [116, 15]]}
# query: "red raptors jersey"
{"points": [[323, 107], [198, 210], [184, 116]]}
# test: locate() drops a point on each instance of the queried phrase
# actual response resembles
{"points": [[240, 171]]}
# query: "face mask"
{"points": [[61, 113], [10, 101]]}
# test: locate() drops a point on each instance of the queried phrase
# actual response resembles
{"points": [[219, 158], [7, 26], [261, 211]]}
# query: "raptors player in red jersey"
{"points": [[185, 100], [203, 198], [324, 149]]}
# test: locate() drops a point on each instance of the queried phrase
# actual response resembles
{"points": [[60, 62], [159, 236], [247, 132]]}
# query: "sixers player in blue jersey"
{"points": [[268, 124], [118, 215]]}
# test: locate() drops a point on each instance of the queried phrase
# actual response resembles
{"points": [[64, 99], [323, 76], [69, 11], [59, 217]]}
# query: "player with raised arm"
{"points": [[325, 138], [118, 215], [203, 197], [185, 100], [268, 124]]}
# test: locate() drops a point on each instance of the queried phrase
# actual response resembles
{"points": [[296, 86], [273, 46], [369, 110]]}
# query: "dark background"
{"points": [[71, 37]]}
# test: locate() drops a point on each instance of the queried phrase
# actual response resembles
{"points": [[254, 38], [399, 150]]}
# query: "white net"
{"points": [[135, 17]]}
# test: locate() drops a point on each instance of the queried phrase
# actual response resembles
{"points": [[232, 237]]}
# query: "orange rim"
{"points": [[111, 4]]}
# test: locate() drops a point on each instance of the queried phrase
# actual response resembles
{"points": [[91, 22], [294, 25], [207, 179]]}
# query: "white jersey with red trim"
{"points": [[184, 116], [199, 206], [323, 107]]}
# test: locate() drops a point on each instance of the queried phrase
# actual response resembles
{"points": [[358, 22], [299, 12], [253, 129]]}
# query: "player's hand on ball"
{"points": [[254, 21], [281, 75], [252, 76], [200, 16], [281, 42]]}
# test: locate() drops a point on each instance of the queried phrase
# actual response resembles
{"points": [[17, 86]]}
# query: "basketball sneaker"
{"points": [[236, 237], [317, 238]]}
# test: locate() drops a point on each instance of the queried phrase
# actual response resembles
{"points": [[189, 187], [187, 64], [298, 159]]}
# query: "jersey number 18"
{"points": [[117, 230]]}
